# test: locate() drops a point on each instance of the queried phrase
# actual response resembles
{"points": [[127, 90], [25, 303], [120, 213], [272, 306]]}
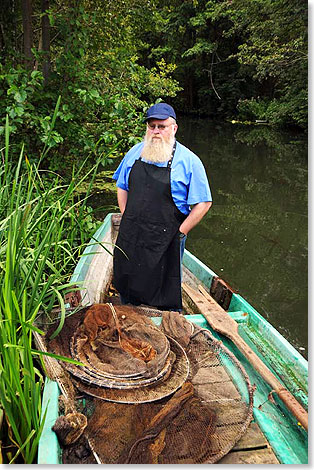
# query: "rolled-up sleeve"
{"points": [[199, 190], [121, 175]]}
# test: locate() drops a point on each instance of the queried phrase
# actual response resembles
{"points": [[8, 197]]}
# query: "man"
{"points": [[158, 181]]}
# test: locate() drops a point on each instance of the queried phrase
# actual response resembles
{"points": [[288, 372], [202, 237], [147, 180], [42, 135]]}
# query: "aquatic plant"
{"points": [[42, 233]]}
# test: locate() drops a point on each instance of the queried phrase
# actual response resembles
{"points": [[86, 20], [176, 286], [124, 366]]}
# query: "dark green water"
{"points": [[255, 235]]}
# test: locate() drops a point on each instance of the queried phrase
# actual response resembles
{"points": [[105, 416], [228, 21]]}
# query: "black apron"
{"points": [[147, 255]]}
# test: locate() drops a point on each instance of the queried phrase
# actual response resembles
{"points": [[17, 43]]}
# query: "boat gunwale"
{"points": [[205, 275]]}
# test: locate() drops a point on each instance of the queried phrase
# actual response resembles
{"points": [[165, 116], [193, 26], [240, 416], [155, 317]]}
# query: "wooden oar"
{"points": [[221, 322]]}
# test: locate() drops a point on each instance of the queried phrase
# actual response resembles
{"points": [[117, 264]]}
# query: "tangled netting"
{"points": [[195, 422], [114, 352]]}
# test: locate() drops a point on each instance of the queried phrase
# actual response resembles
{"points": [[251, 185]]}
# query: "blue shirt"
{"points": [[188, 180]]}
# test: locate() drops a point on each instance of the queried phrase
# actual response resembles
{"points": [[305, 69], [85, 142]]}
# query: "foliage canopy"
{"points": [[228, 59]]}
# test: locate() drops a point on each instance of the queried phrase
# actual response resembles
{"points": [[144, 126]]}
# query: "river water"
{"points": [[255, 234]]}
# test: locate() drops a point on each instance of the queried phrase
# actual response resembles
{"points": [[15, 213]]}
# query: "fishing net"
{"points": [[195, 418], [115, 369]]}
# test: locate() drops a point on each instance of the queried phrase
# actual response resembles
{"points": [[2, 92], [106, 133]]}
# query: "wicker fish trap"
{"points": [[198, 421]]}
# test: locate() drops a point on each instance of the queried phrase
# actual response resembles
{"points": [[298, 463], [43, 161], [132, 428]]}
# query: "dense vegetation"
{"points": [[87, 53], [44, 225], [101, 64], [228, 59], [239, 58]]}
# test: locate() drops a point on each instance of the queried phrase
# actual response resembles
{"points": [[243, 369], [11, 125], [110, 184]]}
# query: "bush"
{"points": [[284, 111]]}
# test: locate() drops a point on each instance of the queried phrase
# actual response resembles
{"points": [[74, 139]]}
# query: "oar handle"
{"points": [[294, 406], [288, 399]]}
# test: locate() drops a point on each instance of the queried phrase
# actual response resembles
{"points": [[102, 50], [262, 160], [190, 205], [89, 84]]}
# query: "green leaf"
{"points": [[20, 96]]}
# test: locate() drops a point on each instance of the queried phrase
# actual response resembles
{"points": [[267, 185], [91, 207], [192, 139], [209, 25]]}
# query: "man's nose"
{"points": [[156, 130]]}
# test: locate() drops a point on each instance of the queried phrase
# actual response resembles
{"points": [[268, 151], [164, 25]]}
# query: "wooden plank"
{"points": [[252, 457], [252, 439], [231, 412], [191, 298], [252, 448], [209, 375], [225, 436], [189, 278], [217, 391], [98, 277], [221, 292]]}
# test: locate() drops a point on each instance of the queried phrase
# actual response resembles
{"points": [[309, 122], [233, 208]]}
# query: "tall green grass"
{"points": [[42, 234]]}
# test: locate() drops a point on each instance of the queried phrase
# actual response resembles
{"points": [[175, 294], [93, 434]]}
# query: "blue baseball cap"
{"points": [[160, 111]]}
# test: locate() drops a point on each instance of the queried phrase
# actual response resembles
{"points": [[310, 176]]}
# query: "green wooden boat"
{"points": [[275, 435]]}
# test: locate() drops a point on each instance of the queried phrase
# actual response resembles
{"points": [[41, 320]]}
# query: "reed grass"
{"points": [[42, 234]]}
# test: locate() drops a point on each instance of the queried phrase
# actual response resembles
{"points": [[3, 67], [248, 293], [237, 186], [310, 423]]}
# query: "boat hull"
{"points": [[283, 436]]}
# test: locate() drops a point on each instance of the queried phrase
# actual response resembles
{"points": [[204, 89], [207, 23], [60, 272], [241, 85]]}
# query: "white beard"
{"points": [[157, 149]]}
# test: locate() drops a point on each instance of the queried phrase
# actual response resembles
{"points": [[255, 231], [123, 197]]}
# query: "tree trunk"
{"points": [[45, 28], [27, 33]]}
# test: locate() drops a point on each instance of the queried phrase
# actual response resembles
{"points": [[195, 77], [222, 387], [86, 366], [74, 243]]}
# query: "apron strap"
{"points": [[172, 155]]}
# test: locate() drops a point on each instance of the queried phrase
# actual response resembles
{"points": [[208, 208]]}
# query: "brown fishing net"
{"points": [[116, 372], [160, 432], [194, 413]]}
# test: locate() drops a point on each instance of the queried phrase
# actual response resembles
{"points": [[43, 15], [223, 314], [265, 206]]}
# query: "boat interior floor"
{"points": [[253, 447]]}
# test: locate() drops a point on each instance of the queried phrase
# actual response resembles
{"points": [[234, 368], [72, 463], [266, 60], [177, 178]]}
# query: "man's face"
{"points": [[159, 140], [161, 129]]}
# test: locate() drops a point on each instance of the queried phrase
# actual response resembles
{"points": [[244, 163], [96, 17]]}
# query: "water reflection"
{"points": [[255, 235]]}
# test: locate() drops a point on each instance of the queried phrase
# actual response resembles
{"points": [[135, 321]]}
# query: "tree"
{"points": [[237, 57], [88, 53], [27, 11], [45, 28]]}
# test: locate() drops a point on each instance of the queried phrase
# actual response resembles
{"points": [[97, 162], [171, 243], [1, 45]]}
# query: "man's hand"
{"points": [[195, 216], [122, 199]]}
